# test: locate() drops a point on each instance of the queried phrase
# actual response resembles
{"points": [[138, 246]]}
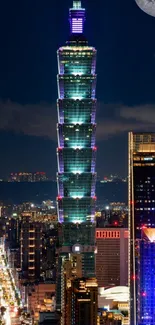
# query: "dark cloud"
{"points": [[144, 114], [40, 119], [36, 120], [124, 119], [109, 128]]}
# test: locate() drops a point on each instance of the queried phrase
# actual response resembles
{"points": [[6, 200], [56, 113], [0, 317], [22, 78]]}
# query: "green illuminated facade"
{"points": [[76, 152]]}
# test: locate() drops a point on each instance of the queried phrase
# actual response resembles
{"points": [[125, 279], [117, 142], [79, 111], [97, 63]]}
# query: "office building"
{"points": [[76, 151], [81, 298], [71, 269], [142, 228], [13, 232], [79, 295], [110, 317], [48, 318], [112, 256], [31, 249], [50, 240], [41, 297]]}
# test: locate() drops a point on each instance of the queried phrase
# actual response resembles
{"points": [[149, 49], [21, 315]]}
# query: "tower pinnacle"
{"points": [[76, 18], [76, 4]]}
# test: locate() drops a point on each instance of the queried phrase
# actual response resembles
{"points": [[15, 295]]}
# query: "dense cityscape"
{"points": [[79, 249]]}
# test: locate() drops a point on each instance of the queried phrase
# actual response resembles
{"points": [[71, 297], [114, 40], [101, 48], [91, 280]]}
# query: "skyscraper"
{"points": [[31, 249], [76, 151], [142, 228], [81, 297], [112, 256]]}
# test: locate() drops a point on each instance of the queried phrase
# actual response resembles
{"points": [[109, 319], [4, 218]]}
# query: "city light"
{"points": [[77, 221], [77, 97], [118, 293], [77, 25], [77, 147], [76, 73], [150, 233], [8, 295], [77, 196]]}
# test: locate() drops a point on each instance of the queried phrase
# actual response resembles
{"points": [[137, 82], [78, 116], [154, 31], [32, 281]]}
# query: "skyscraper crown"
{"points": [[76, 4], [76, 18]]}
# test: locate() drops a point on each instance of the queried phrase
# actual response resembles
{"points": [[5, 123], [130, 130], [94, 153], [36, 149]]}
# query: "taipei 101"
{"points": [[77, 166]]}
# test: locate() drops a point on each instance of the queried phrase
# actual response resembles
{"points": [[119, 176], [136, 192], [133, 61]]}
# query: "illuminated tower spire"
{"points": [[77, 18]]}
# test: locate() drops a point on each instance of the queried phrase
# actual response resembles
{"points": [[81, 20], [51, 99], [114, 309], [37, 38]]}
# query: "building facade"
{"points": [[76, 150], [142, 228], [47, 318], [112, 256], [31, 249], [111, 317], [81, 297]]}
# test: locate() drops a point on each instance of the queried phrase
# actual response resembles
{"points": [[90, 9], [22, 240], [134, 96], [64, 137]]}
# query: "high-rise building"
{"points": [[76, 147], [50, 239], [110, 317], [49, 318], [112, 256], [142, 228], [31, 249], [81, 297]]}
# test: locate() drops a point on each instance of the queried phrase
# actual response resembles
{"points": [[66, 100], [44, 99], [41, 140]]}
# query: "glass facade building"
{"points": [[76, 152], [142, 228]]}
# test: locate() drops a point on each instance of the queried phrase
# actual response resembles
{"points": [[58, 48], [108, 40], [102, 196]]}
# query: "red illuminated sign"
{"points": [[112, 234]]}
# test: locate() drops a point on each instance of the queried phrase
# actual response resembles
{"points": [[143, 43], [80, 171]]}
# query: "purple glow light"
{"points": [[77, 25], [76, 18]]}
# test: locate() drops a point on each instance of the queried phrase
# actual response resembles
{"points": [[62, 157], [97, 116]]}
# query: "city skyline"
{"points": [[126, 63], [73, 251]]}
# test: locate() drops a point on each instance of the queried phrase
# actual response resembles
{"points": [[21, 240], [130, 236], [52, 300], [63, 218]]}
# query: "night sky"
{"points": [[30, 33]]}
